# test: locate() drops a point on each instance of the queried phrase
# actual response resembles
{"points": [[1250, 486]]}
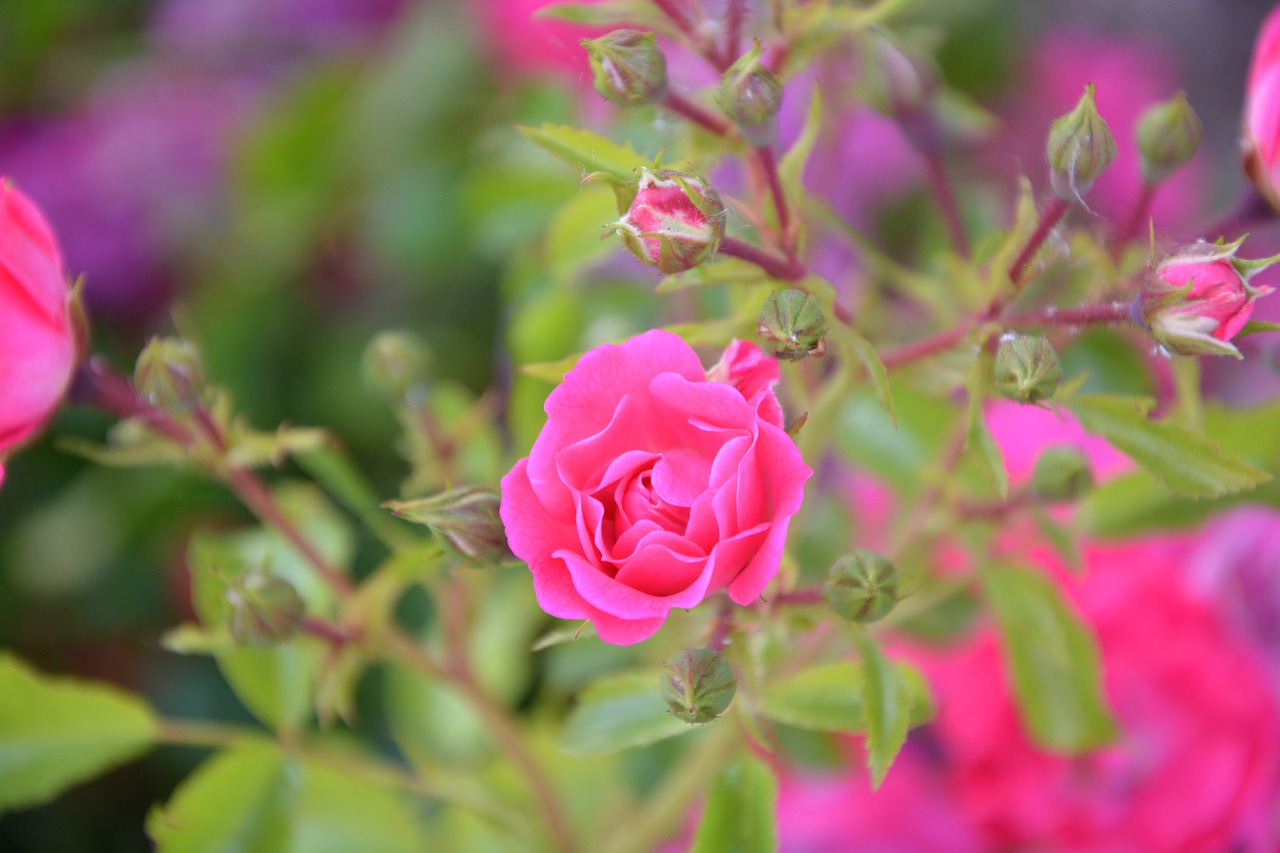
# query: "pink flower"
{"points": [[1196, 766], [524, 43], [651, 487], [1262, 110], [37, 346], [1023, 433], [1199, 297]]}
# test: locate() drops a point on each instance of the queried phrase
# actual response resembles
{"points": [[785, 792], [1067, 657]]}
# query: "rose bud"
{"points": [[675, 221], [1199, 297], [862, 586], [395, 363], [751, 95], [1168, 136], [1061, 474], [627, 67], [698, 685], [1262, 111], [465, 519], [1027, 368], [792, 326], [265, 609], [1080, 147], [169, 374], [37, 330]]}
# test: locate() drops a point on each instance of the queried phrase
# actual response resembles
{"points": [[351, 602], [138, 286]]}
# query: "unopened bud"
{"points": [[1199, 297], [465, 519], [792, 326], [1080, 147], [698, 685], [394, 363], [674, 222], [627, 67], [1168, 136], [862, 586], [751, 95], [1027, 368], [169, 374], [265, 609], [1061, 474]]}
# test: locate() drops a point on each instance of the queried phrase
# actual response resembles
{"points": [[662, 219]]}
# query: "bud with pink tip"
{"points": [[1199, 298], [674, 222]]}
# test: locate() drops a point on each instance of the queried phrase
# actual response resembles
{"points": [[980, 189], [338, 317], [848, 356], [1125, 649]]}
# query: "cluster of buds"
{"points": [[464, 519], [1027, 368], [751, 95], [862, 586], [627, 67], [792, 326], [674, 222], [1199, 298], [698, 685], [1080, 147]]}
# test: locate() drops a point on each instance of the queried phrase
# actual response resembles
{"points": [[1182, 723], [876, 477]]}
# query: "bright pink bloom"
{"points": [[1262, 110], [1025, 432], [523, 43], [37, 345], [651, 487], [1197, 763]]}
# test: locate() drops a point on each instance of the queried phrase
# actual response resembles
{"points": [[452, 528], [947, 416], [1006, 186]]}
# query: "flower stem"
{"points": [[778, 267], [1048, 219], [96, 384], [733, 29], [769, 165], [1140, 207], [946, 199], [696, 113]]}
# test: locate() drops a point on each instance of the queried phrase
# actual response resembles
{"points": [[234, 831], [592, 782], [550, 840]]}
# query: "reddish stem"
{"points": [[946, 199], [674, 10], [696, 113], [798, 597], [1048, 219], [733, 29], [916, 350], [97, 385], [769, 165], [1140, 207], [1083, 315], [786, 269]]}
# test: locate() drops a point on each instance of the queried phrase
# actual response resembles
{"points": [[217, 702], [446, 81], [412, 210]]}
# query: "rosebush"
{"points": [[37, 343], [650, 487]]}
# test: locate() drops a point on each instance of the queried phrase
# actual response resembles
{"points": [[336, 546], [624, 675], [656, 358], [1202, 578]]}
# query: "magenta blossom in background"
{"points": [[1024, 432], [1262, 111], [651, 487], [37, 338], [273, 29], [1197, 764], [523, 44]]}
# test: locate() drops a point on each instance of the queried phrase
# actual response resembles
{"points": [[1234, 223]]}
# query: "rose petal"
{"points": [[610, 596]]}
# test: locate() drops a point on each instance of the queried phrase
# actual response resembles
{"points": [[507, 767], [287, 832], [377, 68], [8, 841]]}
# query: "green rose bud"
{"points": [[1168, 136], [792, 326], [1061, 474], [751, 95], [698, 685], [265, 609], [1080, 147], [394, 363], [170, 374], [464, 519], [627, 67], [862, 586], [1027, 368]]}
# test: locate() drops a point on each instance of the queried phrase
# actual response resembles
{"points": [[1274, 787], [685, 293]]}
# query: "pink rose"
{"points": [[1197, 762], [651, 487], [1262, 110], [37, 347], [524, 43]]}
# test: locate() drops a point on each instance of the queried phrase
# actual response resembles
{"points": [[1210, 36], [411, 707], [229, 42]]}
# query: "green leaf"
{"points": [[575, 237], [1187, 462], [605, 13], [58, 732], [252, 799], [551, 371], [725, 270], [618, 713], [876, 372], [978, 439], [336, 472], [791, 166], [1255, 326], [591, 151], [739, 814], [1053, 661], [886, 707], [829, 697]]}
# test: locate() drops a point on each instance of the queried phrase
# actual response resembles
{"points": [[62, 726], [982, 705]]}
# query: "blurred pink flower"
{"points": [[1196, 767], [37, 338], [271, 29], [1130, 76], [523, 44], [1262, 111], [1024, 432]]}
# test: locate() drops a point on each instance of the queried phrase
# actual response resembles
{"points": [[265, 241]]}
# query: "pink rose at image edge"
{"points": [[37, 341], [523, 43], [1262, 110], [651, 487]]}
